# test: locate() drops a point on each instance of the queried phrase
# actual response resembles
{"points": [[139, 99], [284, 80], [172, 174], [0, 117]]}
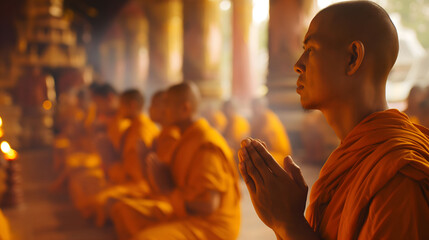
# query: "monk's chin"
{"points": [[308, 106]]}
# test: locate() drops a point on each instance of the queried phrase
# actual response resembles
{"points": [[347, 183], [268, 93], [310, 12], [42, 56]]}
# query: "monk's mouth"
{"points": [[299, 89]]}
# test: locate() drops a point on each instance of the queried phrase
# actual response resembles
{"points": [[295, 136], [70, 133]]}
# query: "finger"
{"points": [[295, 172], [250, 168], [270, 162], [247, 179], [262, 142]]}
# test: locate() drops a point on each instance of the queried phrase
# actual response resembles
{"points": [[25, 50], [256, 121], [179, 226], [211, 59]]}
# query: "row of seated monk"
{"points": [[169, 175]]}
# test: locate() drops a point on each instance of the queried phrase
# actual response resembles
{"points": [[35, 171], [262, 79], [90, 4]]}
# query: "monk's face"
{"points": [[175, 110], [157, 109], [320, 66], [129, 108]]}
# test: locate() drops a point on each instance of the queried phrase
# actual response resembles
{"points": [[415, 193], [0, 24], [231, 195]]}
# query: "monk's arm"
{"points": [[207, 181], [205, 204], [400, 210]]}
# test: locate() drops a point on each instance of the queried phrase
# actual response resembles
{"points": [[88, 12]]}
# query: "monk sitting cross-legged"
{"points": [[198, 194], [375, 185]]}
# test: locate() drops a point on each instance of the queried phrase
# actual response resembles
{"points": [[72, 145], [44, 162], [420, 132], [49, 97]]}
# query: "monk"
{"points": [[169, 135], [139, 136], [126, 175], [265, 125], [198, 193], [415, 97], [237, 127], [375, 185]]}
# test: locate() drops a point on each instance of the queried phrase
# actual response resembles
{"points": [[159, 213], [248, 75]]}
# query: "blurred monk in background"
{"points": [[266, 126], [170, 134], [198, 194], [415, 97], [375, 185], [126, 176], [237, 127]]}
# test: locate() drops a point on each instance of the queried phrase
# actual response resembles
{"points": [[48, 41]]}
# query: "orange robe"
{"points": [[218, 120], [236, 130], [201, 162], [4, 227], [166, 142], [375, 185], [269, 129]]}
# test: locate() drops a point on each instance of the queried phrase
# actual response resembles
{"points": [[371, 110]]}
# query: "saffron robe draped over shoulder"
{"points": [[165, 143], [200, 163], [375, 185]]}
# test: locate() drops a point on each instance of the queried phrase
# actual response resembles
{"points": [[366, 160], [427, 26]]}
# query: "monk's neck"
{"points": [[185, 124], [344, 118]]}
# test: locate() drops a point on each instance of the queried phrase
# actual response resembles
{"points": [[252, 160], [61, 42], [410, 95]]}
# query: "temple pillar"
{"points": [[203, 46], [165, 43], [242, 78], [287, 26]]}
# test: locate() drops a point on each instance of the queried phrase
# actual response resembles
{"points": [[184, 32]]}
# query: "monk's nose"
{"points": [[299, 67]]}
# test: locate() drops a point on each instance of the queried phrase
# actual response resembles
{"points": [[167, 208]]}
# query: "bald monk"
{"points": [[126, 175], [139, 136], [237, 127], [169, 135], [375, 185], [265, 125], [201, 199]]}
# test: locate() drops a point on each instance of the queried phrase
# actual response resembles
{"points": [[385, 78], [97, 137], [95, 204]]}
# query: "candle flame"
{"points": [[8, 152]]}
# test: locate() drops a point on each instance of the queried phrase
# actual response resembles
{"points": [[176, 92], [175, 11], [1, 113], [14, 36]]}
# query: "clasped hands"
{"points": [[278, 194]]}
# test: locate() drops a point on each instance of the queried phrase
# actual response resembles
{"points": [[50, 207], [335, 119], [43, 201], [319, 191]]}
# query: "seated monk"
{"points": [[237, 127], [136, 140], [266, 126], [375, 185], [215, 117], [198, 193], [170, 134], [108, 125], [126, 175], [415, 97]]}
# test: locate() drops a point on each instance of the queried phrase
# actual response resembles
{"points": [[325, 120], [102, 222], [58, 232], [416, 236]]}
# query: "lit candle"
{"points": [[9, 153]]}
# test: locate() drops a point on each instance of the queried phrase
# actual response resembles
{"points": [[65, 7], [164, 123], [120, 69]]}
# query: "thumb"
{"points": [[295, 171]]}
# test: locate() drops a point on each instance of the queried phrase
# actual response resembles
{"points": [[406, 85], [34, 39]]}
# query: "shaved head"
{"points": [[186, 92], [368, 23]]}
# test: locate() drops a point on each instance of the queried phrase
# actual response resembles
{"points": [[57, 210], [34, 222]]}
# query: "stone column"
{"points": [[203, 46], [242, 79], [287, 26], [165, 43]]}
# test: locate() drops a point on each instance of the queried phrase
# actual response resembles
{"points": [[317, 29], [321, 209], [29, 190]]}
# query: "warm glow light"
{"points": [[5, 147], [225, 5], [261, 10], [11, 155], [8, 152], [1, 133], [1, 122], [47, 104]]}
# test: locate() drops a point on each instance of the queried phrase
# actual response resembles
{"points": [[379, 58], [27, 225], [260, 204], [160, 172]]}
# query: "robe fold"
{"points": [[166, 142], [201, 162], [375, 185]]}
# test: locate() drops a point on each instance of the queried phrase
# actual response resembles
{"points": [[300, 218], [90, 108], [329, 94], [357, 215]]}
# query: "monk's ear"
{"points": [[356, 53]]}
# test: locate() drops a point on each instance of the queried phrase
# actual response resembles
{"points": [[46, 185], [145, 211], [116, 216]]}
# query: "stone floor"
{"points": [[50, 216]]}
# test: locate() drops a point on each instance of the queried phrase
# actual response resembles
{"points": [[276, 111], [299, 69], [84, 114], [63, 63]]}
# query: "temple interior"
{"points": [[66, 64]]}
